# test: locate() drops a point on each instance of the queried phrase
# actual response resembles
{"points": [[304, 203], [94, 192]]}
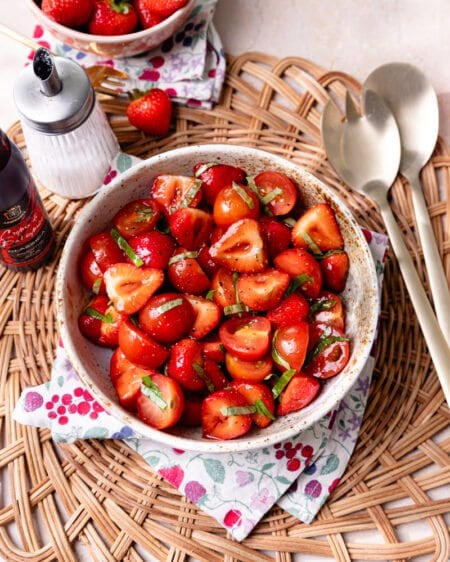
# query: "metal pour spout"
{"points": [[45, 69]]}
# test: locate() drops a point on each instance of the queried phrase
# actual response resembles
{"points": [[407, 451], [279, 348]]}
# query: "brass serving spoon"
{"points": [[365, 151]]}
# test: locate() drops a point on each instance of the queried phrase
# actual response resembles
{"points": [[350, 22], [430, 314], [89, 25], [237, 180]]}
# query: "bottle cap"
{"points": [[53, 95]]}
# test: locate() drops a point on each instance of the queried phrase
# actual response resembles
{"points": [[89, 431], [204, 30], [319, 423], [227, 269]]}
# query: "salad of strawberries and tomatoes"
{"points": [[219, 294]]}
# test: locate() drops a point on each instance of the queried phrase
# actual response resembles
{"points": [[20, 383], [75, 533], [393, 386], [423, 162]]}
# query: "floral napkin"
{"points": [[237, 489], [189, 66]]}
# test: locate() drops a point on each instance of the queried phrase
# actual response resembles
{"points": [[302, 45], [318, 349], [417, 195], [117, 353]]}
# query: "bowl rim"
{"points": [[242, 443], [109, 39]]}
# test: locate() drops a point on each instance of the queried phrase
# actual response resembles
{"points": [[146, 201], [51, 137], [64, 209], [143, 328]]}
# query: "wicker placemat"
{"points": [[102, 495]]}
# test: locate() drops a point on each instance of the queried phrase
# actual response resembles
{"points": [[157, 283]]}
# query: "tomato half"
{"points": [[140, 348], [137, 217], [290, 344], [168, 412], [251, 371], [330, 351], [267, 182], [247, 338]]}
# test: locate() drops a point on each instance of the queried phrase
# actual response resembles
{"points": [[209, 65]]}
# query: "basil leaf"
{"points": [[108, 319], [297, 282], [126, 248], [152, 391], [282, 382]]}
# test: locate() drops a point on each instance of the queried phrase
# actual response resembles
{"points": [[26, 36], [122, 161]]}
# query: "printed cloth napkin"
{"points": [[237, 489], [189, 66]]}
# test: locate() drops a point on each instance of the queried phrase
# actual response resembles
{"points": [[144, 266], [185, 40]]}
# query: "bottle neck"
{"points": [[5, 150]]}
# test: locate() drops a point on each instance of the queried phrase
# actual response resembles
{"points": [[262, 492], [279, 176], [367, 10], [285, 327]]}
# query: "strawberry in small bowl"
{"points": [[204, 299], [111, 28]]}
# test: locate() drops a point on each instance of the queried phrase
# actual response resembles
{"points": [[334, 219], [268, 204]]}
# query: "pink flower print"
{"points": [[33, 401], [157, 61], [174, 475], [178, 451], [243, 477], [194, 491], [262, 500], [171, 92], [110, 176], [313, 489], [233, 518], [333, 485], [150, 75], [212, 72]]}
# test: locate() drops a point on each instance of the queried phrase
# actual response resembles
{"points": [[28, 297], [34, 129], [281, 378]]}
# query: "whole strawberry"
{"points": [[72, 13], [113, 17], [150, 112], [147, 17], [165, 8]]}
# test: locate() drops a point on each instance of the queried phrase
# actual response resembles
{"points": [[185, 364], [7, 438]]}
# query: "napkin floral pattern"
{"points": [[189, 66], [237, 489]]}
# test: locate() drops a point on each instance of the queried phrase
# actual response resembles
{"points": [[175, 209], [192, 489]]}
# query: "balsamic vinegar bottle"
{"points": [[26, 236]]}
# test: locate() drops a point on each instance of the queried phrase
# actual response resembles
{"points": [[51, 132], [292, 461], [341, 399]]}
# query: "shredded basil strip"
{"points": [[108, 319], [312, 245], [235, 278], [297, 282], [184, 255], [190, 195], [243, 195], [322, 305], [205, 167], [252, 185], [271, 196], [167, 306], [282, 382], [151, 390], [201, 373], [125, 247], [323, 342], [237, 410], [96, 285], [326, 254], [261, 408], [210, 294], [235, 308], [290, 222], [276, 356], [145, 214]]}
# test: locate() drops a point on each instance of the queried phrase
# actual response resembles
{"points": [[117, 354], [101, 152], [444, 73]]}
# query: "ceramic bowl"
{"points": [[114, 46], [92, 362]]}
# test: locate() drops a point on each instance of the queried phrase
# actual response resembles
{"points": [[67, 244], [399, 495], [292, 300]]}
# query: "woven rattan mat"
{"points": [[100, 498]]}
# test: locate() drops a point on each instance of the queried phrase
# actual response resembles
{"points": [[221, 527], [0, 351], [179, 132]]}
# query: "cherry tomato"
{"points": [[215, 177], [253, 392], [167, 317], [290, 344], [328, 309], [330, 351], [282, 204], [212, 348], [300, 392], [250, 371], [139, 347], [233, 203], [173, 192], [276, 235], [246, 338], [153, 413], [137, 217], [223, 285], [216, 423], [100, 322], [106, 251], [186, 365], [303, 268], [191, 228], [262, 291], [92, 275], [187, 276], [154, 248]]}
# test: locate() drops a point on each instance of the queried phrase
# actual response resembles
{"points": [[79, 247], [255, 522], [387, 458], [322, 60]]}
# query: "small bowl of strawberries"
{"points": [[217, 298], [112, 28]]}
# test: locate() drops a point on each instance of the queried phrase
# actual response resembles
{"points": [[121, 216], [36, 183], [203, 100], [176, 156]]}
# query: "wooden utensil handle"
{"points": [[437, 345], [433, 260]]}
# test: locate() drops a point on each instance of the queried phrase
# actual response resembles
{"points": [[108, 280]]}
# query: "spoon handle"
{"points": [[437, 346], [433, 260]]}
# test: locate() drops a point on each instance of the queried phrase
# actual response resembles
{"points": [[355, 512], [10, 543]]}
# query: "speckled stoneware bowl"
{"points": [[118, 46], [92, 362]]}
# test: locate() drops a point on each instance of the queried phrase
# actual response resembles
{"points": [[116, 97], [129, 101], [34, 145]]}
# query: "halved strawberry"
{"points": [[160, 402], [215, 374], [215, 177], [212, 348], [218, 421], [224, 286], [300, 392], [260, 396], [154, 248], [191, 228], [129, 287], [207, 316], [185, 273], [137, 217], [335, 271], [140, 348], [106, 251], [293, 308], [262, 291], [303, 268], [276, 235], [241, 248], [186, 365], [175, 192], [318, 229], [209, 266]]}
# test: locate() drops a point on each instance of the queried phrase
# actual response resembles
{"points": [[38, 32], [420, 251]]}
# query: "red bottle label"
{"points": [[26, 236]]}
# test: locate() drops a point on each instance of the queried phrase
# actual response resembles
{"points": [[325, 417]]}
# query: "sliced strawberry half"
{"points": [[241, 248], [218, 421], [293, 308], [303, 268], [318, 230], [216, 176], [262, 291], [276, 234], [175, 192], [300, 392], [191, 228], [207, 316], [129, 287]]}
